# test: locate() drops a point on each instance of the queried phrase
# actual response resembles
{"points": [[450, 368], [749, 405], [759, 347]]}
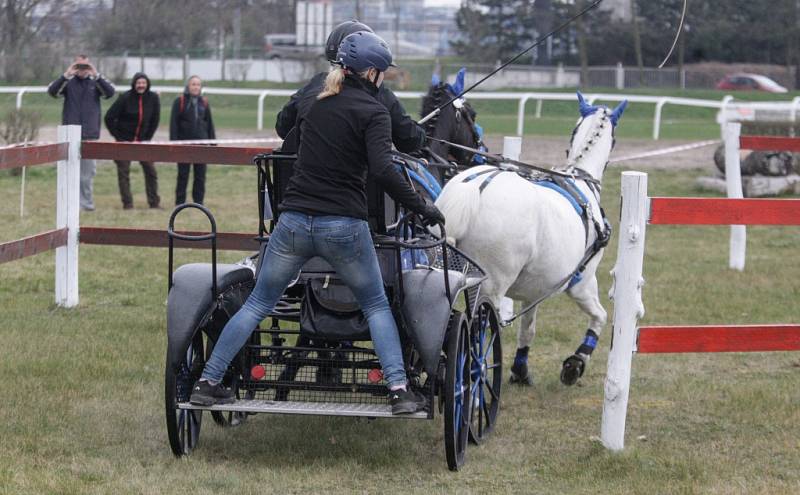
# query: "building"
{"points": [[408, 25]]}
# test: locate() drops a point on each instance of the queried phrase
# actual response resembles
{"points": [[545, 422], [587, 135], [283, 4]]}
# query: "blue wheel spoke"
{"points": [[476, 358], [475, 386], [490, 347], [492, 392]]}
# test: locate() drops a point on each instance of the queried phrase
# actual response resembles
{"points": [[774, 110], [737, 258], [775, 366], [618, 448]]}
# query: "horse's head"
{"points": [[455, 123], [593, 137]]}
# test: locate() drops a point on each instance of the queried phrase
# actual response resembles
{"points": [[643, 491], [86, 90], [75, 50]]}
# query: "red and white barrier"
{"points": [[734, 142], [637, 211]]}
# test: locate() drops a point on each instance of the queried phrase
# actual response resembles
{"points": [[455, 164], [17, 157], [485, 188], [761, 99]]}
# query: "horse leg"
{"points": [[527, 329], [586, 296]]}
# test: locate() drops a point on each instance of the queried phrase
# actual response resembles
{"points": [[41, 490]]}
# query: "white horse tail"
{"points": [[459, 202]]}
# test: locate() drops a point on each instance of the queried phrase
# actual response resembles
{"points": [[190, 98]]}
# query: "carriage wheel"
{"points": [[486, 355], [183, 425], [456, 392]]}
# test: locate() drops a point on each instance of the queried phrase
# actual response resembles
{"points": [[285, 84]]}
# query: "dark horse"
{"points": [[456, 124]]}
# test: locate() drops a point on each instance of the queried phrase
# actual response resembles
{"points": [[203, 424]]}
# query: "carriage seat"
{"points": [[317, 267], [190, 299]]}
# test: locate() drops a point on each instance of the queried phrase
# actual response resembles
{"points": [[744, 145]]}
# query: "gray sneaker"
{"points": [[406, 401], [205, 394]]}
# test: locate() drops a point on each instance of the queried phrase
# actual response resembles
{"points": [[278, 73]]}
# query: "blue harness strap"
{"points": [[569, 197]]}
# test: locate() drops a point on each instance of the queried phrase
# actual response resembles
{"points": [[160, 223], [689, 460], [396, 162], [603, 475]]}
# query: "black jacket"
{"points": [[342, 139], [406, 134], [186, 123], [82, 102], [134, 116]]}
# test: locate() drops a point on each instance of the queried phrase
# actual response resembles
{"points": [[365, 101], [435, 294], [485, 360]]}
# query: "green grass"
{"points": [[497, 117], [82, 389]]}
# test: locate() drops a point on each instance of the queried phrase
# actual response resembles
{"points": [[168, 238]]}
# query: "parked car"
{"points": [[750, 82], [286, 46]]}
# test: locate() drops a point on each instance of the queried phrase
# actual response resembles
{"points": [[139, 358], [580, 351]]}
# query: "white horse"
{"points": [[535, 240]]}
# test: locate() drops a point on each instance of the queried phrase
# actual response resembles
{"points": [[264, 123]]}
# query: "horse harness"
{"points": [[567, 188]]}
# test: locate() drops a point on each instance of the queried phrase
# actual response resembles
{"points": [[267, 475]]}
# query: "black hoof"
{"points": [[572, 369], [520, 375]]}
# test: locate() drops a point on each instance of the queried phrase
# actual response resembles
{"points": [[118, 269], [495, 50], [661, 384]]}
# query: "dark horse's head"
{"points": [[455, 123]]}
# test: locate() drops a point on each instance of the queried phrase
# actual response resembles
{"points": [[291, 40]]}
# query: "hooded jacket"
{"points": [[82, 101], [407, 135], [344, 139], [134, 116], [188, 122]]}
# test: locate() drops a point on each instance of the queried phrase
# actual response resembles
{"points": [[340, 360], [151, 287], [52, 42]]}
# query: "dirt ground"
{"points": [[550, 150], [536, 150]]}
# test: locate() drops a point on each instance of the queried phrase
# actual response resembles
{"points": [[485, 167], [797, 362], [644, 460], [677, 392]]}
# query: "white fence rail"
{"points": [[522, 99]]}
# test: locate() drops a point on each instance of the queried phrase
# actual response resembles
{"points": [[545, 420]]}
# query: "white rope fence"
{"points": [[666, 151]]}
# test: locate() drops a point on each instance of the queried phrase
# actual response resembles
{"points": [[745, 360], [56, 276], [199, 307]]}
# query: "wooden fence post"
{"points": [[733, 180], [68, 215], [628, 307]]}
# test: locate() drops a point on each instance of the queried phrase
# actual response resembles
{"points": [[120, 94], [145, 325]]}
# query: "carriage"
{"points": [[312, 355]]}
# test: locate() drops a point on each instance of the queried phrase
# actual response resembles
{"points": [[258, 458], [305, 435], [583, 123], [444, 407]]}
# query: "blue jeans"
{"points": [[343, 242]]}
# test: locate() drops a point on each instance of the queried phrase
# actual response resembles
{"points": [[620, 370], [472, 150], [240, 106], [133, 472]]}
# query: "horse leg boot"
{"points": [[527, 329], [588, 300]]}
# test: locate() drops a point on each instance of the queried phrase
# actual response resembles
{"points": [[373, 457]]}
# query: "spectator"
{"points": [[82, 86], [134, 117], [191, 119]]}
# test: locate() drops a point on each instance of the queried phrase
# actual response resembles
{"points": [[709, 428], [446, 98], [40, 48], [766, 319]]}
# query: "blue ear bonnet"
{"points": [[458, 86], [617, 113], [586, 109], [435, 80]]}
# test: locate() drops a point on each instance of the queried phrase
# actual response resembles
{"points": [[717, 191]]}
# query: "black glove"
{"points": [[431, 215]]}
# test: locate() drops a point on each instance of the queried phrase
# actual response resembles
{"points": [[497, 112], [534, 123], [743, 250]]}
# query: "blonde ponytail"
{"points": [[333, 83]]}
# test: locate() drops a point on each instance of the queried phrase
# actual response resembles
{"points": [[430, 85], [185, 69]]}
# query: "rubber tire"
{"points": [[456, 385], [183, 425], [485, 352]]}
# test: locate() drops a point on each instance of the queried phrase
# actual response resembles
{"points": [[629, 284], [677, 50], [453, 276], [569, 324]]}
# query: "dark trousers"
{"points": [[150, 183], [198, 186]]}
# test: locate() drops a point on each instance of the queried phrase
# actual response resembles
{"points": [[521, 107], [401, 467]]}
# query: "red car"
{"points": [[750, 82]]}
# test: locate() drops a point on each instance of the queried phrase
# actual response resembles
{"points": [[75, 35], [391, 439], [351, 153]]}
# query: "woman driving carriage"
{"points": [[345, 135]]}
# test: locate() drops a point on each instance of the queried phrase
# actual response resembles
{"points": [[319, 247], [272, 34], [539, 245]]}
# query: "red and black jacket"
{"points": [[134, 116]]}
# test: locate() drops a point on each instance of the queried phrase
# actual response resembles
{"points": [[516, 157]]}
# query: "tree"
{"points": [[494, 29], [543, 14], [22, 23]]}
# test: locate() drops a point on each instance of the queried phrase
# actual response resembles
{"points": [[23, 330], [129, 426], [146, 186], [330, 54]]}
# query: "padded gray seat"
{"points": [[426, 310], [190, 297]]}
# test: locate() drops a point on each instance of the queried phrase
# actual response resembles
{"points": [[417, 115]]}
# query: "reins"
{"points": [[501, 159]]}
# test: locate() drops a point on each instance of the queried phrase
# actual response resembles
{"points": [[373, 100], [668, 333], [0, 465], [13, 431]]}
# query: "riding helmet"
{"points": [[339, 33], [363, 50]]}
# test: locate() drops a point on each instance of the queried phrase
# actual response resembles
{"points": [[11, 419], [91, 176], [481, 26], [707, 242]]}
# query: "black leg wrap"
{"points": [[519, 370], [520, 375]]}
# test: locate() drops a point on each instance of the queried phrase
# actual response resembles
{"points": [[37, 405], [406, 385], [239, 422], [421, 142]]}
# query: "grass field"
{"points": [[82, 390], [497, 117]]}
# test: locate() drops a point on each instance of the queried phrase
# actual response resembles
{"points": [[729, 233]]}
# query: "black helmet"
{"points": [[363, 50], [339, 33]]}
